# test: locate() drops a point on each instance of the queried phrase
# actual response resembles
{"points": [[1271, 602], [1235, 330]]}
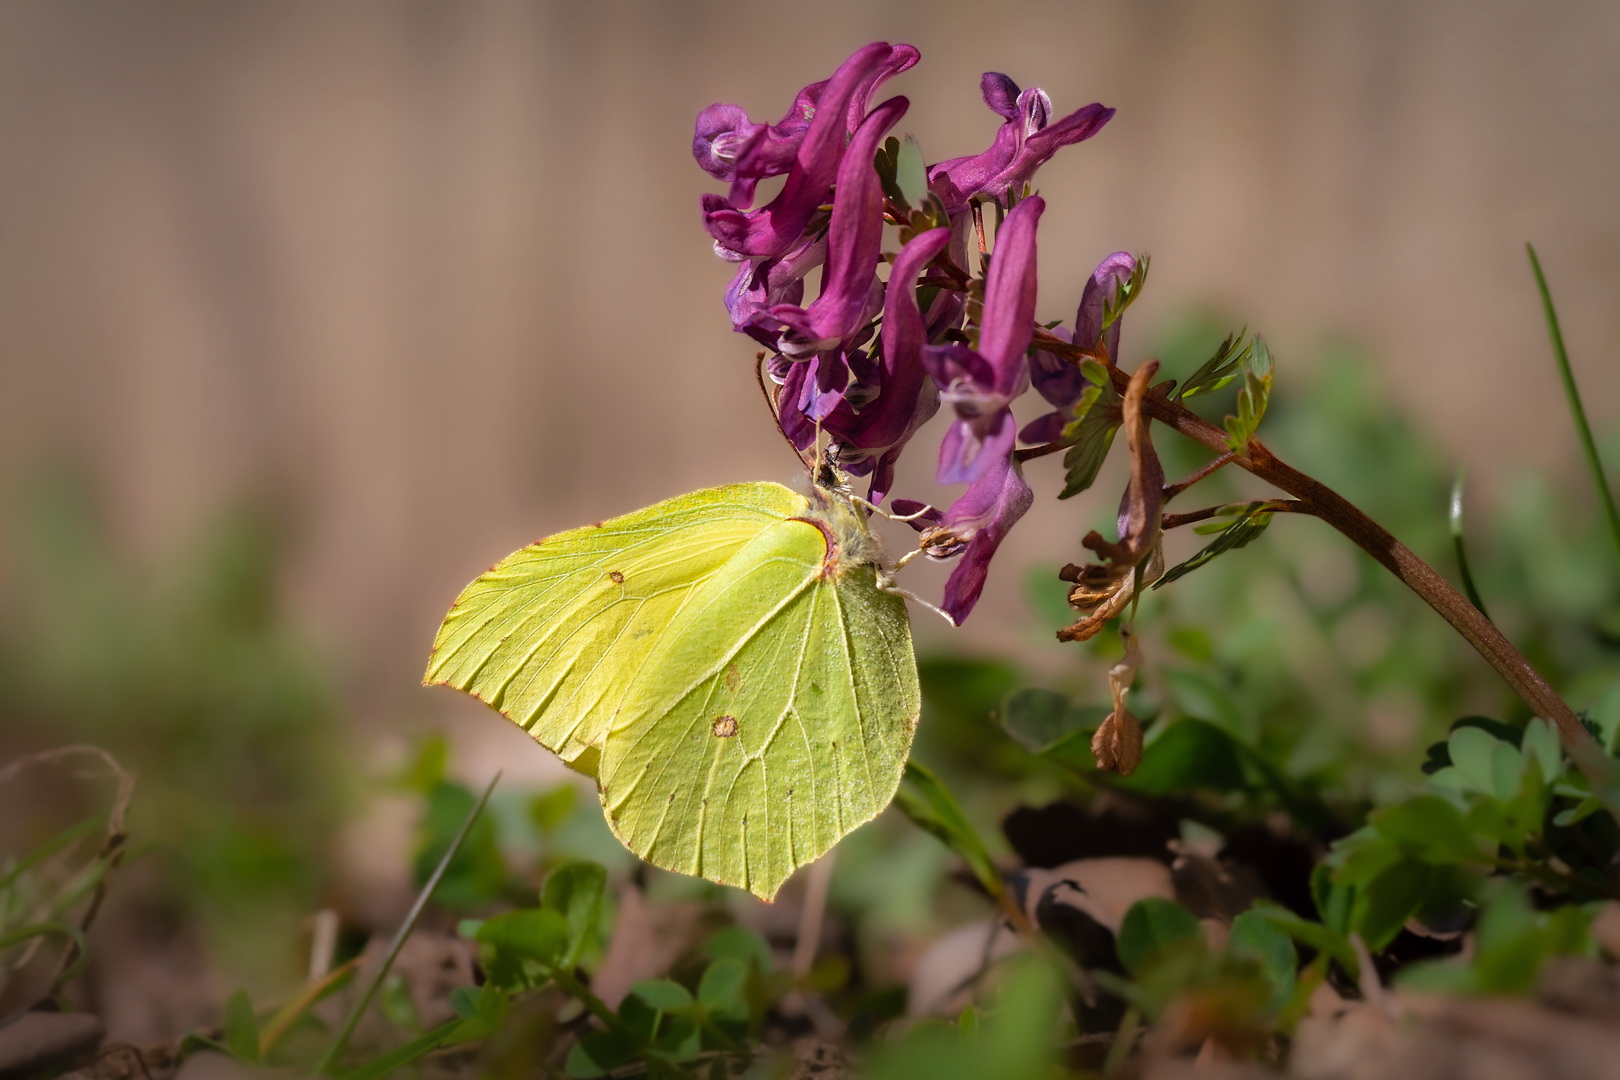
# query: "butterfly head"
{"points": [[843, 521]]}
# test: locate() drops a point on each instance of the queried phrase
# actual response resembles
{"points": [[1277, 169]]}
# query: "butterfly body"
{"points": [[727, 664]]}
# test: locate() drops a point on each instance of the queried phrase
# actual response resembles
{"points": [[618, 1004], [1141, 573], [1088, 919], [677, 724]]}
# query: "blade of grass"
{"points": [[395, 1060], [301, 1004], [51, 847], [1456, 516], [1577, 410], [404, 932]]}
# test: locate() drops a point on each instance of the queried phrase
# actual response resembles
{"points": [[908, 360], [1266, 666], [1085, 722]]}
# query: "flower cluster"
{"points": [[868, 360]]}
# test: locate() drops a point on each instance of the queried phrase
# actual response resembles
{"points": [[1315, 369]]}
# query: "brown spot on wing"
{"points": [[725, 726], [733, 678], [616, 577]]}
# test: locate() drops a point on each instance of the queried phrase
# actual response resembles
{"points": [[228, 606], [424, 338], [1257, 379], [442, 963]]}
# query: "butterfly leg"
{"points": [[889, 585]]}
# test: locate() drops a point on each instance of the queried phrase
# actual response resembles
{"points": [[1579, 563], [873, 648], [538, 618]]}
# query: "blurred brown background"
{"points": [[431, 276]]}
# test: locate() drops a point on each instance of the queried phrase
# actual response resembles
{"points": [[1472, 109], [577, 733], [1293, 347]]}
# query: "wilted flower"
{"points": [[1117, 742], [1103, 589]]}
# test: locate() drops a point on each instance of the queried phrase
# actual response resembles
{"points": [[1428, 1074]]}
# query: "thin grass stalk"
{"points": [[324, 1066], [1577, 411]]}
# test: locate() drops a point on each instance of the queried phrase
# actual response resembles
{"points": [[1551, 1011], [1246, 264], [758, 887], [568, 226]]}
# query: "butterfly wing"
{"points": [[775, 717], [553, 634]]}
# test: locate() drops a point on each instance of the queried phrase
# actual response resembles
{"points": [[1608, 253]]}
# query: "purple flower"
{"points": [[763, 284], [778, 226], [873, 437], [850, 293], [728, 146], [978, 448], [1057, 379], [1026, 141], [973, 526], [980, 383]]}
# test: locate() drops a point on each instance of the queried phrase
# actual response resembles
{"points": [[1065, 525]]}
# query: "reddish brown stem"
{"points": [[1208, 470], [1322, 501], [1029, 453]]}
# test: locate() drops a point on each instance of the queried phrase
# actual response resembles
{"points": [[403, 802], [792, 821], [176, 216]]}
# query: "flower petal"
{"points": [[1009, 298], [1000, 93], [779, 225], [1100, 288], [985, 513], [854, 239], [968, 449]]}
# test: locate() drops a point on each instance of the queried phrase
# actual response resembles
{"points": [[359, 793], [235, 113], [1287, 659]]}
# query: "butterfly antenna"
{"points": [[826, 474], [771, 401]]}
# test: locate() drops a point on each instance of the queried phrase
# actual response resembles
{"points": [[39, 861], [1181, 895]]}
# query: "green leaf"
{"points": [[428, 768], [1604, 716], [723, 989], [1125, 293], [1384, 904], [242, 1028], [1580, 812], [1333, 900], [550, 809], [1428, 827], [926, 800], [1513, 940], [741, 944], [1220, 369], [1093, 438], [574, 890], [1151, 926], [1362, 856], [1507, 771], [1249, 522], [1203, 694], [395, 1001], [1186, 755], [1257, 938], [909, 174], [1252, 398], [1485, 761], [883, 161], [1040, 719], [1311, 935], [599, 1052], [665, 995], [1449, 778], [1540, 745], [524, 945], [465, 1001], [1445, 976], [1090, 431]]}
